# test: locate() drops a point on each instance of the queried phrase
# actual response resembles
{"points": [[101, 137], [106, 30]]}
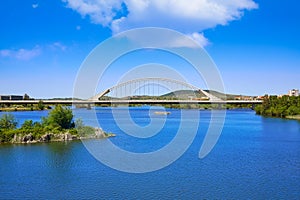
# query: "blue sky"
{"points": [[255, 44]]}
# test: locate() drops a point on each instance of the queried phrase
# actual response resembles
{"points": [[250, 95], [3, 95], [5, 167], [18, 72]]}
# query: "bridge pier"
{"points": [[87, 106], [220, 106]]}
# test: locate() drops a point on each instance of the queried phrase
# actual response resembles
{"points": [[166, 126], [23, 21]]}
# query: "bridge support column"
{"points": [[220, 106]]}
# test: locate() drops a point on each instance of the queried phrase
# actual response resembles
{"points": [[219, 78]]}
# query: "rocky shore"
{"points": [[61, 137]]}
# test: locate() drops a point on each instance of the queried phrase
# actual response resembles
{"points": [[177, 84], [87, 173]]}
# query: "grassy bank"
{"points": [[20, 108], [32, 107]]}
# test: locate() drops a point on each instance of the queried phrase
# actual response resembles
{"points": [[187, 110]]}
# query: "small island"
{"points": [[57, 126]]}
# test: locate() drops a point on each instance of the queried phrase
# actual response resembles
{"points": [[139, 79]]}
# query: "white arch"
{"points": [[153, 79]]}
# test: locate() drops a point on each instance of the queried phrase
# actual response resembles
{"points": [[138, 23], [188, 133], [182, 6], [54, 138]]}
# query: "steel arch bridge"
{"points": [[152, 87]]}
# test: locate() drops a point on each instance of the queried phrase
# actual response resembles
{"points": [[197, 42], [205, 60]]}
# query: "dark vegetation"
{"points": [[274, 106]]}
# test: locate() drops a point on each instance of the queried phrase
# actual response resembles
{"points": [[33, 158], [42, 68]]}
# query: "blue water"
{"points": [[254, 158]]}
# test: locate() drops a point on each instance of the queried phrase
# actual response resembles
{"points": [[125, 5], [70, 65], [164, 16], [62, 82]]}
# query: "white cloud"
{"points": [[5, 53], [29, 54], [163, 39], [21, 54], [58, 45], [190, 17], [35, 5], [99, 11], [199, 38]]}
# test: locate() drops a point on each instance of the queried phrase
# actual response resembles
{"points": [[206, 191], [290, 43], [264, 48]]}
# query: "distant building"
{"points": [[14, 97], [259, 98], [244, 98], [294, 93], [238, 98], [4, 97]]}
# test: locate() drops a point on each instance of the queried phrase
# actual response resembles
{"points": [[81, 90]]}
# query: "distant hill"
{"points": [[221, 95], [184, 94], [68, 98]]}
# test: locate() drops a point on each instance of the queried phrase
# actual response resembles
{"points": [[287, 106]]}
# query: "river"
{"points": [[254, 158]]}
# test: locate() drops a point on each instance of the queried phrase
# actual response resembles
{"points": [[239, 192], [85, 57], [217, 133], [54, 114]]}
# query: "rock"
{"points": [[68, 136], [61, 137], [45, 138], [110, 135], [99, 133], [74, 137], [28, 138], [17, 138]]}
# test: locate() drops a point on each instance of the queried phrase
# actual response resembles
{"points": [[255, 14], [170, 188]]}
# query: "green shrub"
{"points": [[8, 122], [59, 117], [41, 105], [7, 136], [83, 130]]}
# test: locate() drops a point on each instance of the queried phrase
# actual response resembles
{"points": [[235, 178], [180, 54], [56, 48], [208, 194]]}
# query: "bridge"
{"points": [[152, 87], [146, 91]]}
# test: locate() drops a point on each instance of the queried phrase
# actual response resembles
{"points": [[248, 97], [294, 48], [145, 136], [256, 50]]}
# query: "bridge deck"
{"points": [[130, 102]]}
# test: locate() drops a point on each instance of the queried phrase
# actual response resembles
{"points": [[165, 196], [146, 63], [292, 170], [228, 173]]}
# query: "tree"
{"points": [[83, 130], [27, 125], [26, 97], [41, 105], [8, 122], [279, 106], [259, 109], [60, 117], [79, 123]]}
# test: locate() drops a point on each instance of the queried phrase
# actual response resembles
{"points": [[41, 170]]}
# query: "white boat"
{"points": [[162, 113]]}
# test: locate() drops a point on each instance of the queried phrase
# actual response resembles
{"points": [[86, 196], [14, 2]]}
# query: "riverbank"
{"points": [[24, 107], [287, 107], [297, 117], [13, 108]]}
